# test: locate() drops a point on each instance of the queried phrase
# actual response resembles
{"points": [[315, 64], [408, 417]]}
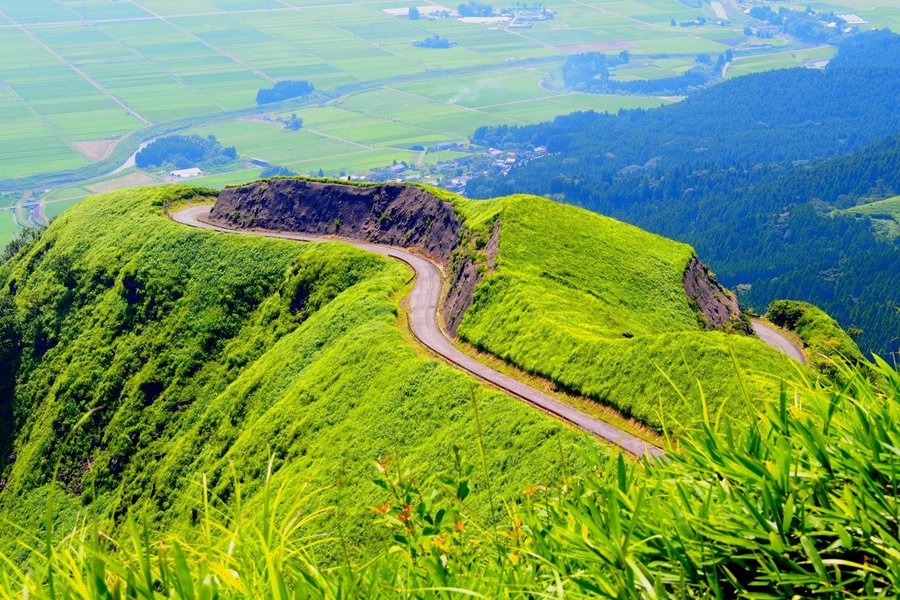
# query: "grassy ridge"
{"points": [[567, 286], [203, 352], [825, 340]]}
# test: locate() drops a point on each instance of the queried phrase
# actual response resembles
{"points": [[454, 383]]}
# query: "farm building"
{"points": [[186, 173]]}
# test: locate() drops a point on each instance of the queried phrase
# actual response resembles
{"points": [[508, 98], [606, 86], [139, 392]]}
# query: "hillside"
{"points": [[158, 369], [597, 306], [884, 216], [600, 307], [205, 353], [749, 177]]}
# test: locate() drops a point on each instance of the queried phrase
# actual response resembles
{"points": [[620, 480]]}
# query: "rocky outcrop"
{"points": [[467, 273], [397, 215], [716, 305]]}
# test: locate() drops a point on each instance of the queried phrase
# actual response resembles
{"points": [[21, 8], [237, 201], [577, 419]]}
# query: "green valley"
{"points": [[378, 299]]}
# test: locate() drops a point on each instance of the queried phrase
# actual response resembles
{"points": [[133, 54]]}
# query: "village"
{"points": [[453, 174]]}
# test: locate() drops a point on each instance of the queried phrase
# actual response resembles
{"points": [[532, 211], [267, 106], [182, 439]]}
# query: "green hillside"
{"points": [[259, 406], [884, 215], [202, 353], [569, 283]]}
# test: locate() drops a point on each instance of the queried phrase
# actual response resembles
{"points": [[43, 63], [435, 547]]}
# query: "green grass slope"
{"points": [[800, 504], [140, 354], [569, 283], [827, 344], [884, 215]]}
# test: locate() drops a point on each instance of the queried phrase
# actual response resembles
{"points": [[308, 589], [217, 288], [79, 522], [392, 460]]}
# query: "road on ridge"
{"points": [[777, 340], [424, 301]]}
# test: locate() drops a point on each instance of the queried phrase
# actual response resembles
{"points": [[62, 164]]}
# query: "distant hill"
{"points": [[748, 172]]}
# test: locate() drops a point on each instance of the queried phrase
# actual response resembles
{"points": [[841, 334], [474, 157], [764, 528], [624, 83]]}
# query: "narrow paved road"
{"points": [[777, 340], [424, 301]]}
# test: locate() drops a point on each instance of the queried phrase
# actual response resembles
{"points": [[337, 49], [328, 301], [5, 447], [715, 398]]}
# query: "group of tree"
{"points": [[183, 151], [284, 90], [590, 72], [806, 25], [749, 177], [473, 8], [434, 41], [277, 171], [293, 123]]}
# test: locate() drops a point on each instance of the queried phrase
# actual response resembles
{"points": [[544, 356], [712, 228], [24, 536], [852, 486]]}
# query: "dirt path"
{"points": [[777, 340], [424, 301]]}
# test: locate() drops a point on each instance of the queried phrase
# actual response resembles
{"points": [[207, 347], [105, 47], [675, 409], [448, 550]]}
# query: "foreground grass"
{"points": [[193, 351], [802, 504]]}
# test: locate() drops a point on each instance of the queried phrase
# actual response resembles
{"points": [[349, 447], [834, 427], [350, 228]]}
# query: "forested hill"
{"points": [[758, 200], [789, 114]]}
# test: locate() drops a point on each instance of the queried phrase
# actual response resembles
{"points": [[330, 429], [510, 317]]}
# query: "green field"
{"points": [[80, 76], [779, 60]]}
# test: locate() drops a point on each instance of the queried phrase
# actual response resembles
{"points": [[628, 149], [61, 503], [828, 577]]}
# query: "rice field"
{"points": [[79, 75]]}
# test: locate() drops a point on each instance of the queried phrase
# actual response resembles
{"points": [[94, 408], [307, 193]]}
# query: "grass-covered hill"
{"points": [[801, 504], [600, 307], [194, 414], [884, 216], [139, 354]]}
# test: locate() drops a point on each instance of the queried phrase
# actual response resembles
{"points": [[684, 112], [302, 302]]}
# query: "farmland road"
{"points": [[424, 301], [777, 340]]}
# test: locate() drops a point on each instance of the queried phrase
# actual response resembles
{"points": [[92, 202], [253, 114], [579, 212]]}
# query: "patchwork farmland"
{"points": [[83, 82]]}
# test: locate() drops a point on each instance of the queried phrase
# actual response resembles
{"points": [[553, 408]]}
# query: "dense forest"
{"points": [[183, 151], [750, 173]]}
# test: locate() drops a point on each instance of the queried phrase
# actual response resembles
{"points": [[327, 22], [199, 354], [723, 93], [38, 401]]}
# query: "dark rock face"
{"points": [[716, 305], [466, 275], [396, 215]]}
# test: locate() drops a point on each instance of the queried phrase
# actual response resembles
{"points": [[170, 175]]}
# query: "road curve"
{"points": [[424, 302], [777, 340]]}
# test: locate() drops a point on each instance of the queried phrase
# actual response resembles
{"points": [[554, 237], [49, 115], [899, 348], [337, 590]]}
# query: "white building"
{"points": [[186, 173]]}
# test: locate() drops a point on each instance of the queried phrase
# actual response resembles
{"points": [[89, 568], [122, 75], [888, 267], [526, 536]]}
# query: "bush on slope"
{"points": [[203, 352]]}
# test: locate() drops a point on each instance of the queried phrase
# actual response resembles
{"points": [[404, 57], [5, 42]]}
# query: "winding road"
{"points": [[424, 301], [777, 340]]}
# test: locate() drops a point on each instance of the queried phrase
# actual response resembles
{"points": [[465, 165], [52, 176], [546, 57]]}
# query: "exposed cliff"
{"points": [[393, 214], [718, 307]]}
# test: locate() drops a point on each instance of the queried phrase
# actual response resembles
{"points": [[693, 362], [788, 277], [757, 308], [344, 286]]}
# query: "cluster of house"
{"points": [[519, 17]]}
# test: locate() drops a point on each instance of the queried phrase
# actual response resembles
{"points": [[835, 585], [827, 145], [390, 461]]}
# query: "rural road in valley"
{"points": [[424, 301], [777, 340]]}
